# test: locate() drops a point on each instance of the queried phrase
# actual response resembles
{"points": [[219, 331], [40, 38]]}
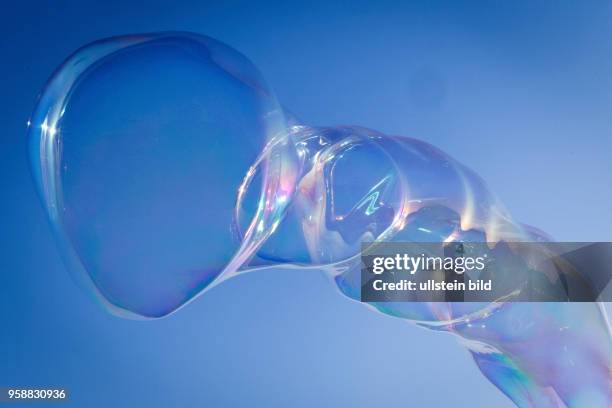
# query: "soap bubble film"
{"points": [[167, 166]]}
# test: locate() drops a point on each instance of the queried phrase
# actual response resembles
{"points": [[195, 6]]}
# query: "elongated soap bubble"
{"points": [[167, 166], [138, 145]]}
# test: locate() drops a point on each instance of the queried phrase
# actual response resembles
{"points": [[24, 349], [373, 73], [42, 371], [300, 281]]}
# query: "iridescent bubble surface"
{"points": [[167, 166]]}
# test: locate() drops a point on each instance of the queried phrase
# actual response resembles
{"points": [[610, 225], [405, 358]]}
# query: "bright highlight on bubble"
{"points": [[167, 166]]}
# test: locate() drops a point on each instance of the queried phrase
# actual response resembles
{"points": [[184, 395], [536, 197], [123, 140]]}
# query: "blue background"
{"points": [[519, 91]]}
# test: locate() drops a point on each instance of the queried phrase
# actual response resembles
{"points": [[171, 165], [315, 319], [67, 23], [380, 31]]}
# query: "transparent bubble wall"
{"points": [[138, 145], [167, 166]]}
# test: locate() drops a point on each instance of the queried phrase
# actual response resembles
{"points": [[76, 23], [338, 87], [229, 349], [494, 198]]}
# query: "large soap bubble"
{"points": [[138, 144], [167, 166]]}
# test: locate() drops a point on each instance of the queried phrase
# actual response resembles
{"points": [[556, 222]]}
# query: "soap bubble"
{"points": [[138, 144], [167, 166]]}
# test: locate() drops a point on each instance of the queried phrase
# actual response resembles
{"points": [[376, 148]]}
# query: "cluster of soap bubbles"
{"points": [[167, 166]]}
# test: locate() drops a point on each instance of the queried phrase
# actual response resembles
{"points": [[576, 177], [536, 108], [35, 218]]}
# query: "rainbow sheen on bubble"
{"points": [[167, 166]]}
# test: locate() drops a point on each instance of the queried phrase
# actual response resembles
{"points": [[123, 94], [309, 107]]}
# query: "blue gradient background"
{"points": [[520, 91]]}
